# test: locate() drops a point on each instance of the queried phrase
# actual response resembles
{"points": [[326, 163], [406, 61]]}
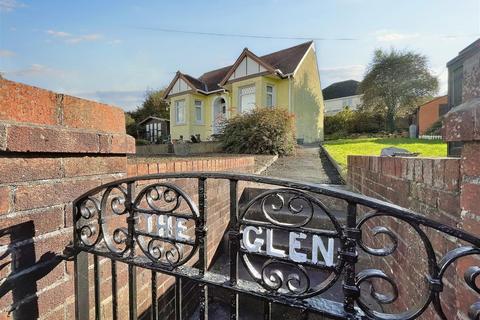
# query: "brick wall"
{"points": [[54, 147], [429, 112], [444, 189], [217, 213], [430, 187]]}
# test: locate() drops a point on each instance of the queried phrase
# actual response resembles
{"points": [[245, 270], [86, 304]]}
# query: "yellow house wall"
{"points": [[177, 130], [191, 127], [280, 92], [234, 88], [307, 100]]}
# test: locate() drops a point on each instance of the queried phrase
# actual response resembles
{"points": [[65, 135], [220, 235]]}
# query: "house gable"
{"points": [[247, 64], [247, 67], [179, 84]]}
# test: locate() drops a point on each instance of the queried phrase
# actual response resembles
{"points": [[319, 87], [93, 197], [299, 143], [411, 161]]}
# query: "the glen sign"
{"points": [[262, 240]]}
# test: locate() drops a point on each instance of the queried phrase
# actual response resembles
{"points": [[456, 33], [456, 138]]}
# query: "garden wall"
{"points": [[218, 209], [53, 148], [446, 190], [181, 149]]}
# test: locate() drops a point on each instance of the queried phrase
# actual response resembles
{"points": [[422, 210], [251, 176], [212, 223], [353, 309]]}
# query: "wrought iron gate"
{"points": [[162, 227]]}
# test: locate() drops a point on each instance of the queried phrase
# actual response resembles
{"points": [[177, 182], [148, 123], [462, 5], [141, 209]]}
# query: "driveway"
{"points": [[306, 165]]}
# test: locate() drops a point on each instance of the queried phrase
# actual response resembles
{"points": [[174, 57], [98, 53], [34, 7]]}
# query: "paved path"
{"points": [[306, 165]]}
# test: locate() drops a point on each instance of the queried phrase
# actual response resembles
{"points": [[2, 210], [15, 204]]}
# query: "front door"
{"points": [[219, 115]]}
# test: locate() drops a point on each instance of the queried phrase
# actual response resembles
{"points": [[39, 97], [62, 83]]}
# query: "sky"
{"points": [[114, 51]]}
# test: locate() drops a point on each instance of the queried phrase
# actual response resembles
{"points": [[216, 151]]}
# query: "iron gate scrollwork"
{"points": [[293, 246]]}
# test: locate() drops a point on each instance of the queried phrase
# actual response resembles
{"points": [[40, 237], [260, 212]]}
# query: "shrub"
{"points": [[435, 129], [348, 122], [261, 131], [141, 142]]}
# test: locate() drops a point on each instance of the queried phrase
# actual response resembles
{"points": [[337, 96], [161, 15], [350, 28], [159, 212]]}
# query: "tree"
{"points": [[153, 105], [131, 125], [395, 80]]}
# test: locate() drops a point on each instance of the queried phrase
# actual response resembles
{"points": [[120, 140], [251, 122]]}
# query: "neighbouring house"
{"points": [[429, 112], [154, 129], [287, 78], [463, 82], [342, 94]]}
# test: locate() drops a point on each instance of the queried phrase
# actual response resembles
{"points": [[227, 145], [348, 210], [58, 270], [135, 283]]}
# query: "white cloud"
{"points": [[58, 34], [74, 39], [441, 72], [35, 70], [10, 5], [6, 53], [389, 36], [128, 100], [86, 37], [341, 73]]}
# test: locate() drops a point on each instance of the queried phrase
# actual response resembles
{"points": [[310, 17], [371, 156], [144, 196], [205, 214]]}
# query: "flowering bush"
{"points": [[261, 131]]}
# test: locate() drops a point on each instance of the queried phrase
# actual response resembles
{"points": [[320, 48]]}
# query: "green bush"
{"points": [[261, 131], [435, 129], [348, 122]]}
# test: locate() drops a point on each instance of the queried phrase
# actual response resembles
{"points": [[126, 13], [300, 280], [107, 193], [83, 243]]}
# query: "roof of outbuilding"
{"points": [[285, 60], [153, 118]]}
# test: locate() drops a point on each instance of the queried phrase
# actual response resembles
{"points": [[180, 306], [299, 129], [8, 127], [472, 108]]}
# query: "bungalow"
{"points": [[340, 95], [287, 79]]}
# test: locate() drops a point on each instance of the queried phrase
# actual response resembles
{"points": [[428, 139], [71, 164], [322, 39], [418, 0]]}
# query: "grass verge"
{"points": [[341, 149]]}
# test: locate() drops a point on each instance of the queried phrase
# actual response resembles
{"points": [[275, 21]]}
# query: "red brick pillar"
{"points": [[53, 147], [463, 124]]}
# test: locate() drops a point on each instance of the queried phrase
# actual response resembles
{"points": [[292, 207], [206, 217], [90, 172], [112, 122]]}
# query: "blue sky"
{"points": [[113, 50]]}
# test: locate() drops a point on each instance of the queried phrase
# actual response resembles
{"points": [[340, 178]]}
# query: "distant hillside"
{"points": [[340, 89]]}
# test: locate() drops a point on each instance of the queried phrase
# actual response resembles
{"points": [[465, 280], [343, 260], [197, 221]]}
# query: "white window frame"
{"points": [[271, 93], [240, 96], [198, 121], [177, 102]]}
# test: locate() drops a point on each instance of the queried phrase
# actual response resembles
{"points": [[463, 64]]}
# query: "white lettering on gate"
{"points": [[167, 226], [295, 254], [271, 251], [294, 244], [257, 244], [327, 254]]}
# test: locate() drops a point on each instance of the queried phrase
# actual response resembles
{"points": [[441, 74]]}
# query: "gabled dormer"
{"points": [[246, 65]]}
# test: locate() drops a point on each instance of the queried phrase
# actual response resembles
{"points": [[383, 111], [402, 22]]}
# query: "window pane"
{"points": [[269, 89], [247, 98], [180, 111], [198, 114], [269, 100]]}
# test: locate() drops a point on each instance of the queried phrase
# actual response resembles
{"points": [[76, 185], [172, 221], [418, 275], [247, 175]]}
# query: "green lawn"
{"points": [[340, 149]]}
